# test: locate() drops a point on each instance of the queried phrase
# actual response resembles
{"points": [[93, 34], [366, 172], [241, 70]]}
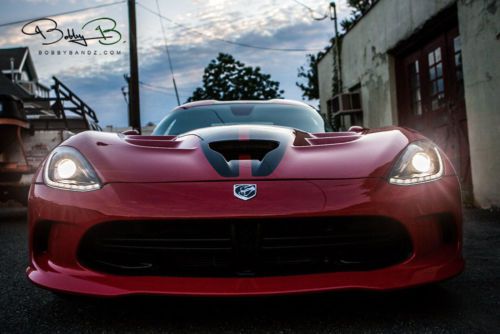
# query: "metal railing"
{"points": [[62, 104]]}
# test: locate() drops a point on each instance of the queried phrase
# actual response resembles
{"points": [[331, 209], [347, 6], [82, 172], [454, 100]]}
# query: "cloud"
{"points": [[98, 80]]}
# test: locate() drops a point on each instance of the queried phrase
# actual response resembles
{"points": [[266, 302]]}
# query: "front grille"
{"points": [[232, 248]]}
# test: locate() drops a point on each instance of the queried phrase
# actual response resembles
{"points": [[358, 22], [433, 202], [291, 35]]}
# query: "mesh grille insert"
{"points": [[231, 248]]}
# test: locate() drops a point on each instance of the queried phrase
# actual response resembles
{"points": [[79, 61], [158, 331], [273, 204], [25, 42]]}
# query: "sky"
{"points": [[196, 31]]}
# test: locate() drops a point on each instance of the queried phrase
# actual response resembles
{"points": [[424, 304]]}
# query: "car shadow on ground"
{"points": [[335, 308], [467, 303]]}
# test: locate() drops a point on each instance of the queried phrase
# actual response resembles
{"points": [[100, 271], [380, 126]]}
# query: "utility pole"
{"points": [[168, 53], [337, 63], [134, 110], [175, 86]]}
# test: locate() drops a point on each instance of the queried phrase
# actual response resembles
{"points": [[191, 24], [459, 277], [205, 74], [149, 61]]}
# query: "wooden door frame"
{"points": [[443, 22], [439, 32]]}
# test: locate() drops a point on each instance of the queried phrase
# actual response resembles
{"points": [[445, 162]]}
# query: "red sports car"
{"points": [[244, 198]]}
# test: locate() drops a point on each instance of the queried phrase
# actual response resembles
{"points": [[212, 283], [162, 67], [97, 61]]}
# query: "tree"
{"points": [[225, 78], [309, 72], [359, 8]]}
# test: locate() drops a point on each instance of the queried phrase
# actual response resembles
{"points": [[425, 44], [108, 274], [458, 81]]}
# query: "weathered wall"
{"points": [[325, 74], [479, 26], [365, 59]]}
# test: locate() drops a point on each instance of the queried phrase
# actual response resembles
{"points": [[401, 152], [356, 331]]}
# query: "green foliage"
{"points": [[225, 79], [346, 24], [309, 74], [359, 8]]}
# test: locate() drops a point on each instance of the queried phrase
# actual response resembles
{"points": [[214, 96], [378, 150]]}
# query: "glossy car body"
{"points": [[166, 219]]}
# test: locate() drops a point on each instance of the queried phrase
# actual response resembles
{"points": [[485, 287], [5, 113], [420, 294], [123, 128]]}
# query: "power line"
{"points": [[158, 89], [207, 22], [168, 54], [215, 9], [62, 13], [312, 11], [224, 40], [165, 88], [271, 12], [220, 39]]}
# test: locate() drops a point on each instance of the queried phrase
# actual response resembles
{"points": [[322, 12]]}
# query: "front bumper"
{"points": [[54, 263]]}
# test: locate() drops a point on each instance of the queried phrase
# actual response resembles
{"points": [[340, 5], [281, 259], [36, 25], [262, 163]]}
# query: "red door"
{"points": [[431, 98]]}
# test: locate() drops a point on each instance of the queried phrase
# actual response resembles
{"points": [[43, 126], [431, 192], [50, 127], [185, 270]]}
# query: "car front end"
{"points": [[244, 210]]}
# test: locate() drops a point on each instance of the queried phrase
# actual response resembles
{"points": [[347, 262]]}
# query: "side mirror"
{"points": [[131, 132]]}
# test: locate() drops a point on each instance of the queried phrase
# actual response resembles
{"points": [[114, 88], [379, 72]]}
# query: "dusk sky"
{"points": [[194, 36]]}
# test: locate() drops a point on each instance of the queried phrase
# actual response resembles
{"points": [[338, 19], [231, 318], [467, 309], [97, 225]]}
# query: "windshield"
{"points": [[298, 117]]}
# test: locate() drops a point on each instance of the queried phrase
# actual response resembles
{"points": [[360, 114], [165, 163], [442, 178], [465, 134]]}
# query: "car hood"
{"points": [[241, 152]]}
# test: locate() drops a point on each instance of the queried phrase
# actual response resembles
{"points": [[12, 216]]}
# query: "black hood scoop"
{"points": [[226, 146], [252, 149]]}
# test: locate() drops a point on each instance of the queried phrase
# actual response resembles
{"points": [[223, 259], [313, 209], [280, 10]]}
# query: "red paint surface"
{"points": [[166, 182]]}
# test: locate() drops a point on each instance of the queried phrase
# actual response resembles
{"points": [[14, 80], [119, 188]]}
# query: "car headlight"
{"points": [[66, 168], [420, 162]]}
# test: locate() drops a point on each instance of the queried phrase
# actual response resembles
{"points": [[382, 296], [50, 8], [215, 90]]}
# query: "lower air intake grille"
{"points": [[232, 248]]}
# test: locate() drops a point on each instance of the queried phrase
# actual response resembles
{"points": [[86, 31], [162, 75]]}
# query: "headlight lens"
{"points": [[420, 162], [66, 168]]}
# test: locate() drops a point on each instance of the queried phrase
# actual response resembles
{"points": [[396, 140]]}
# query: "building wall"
{"points": [[325, 74], [365, 61], [479, 26]]}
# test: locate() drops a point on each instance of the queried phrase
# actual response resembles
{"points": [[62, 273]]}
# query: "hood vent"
{"points": [[244, 149], [153, 141]]}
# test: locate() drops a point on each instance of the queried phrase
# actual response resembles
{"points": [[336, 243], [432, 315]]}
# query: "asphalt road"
{"points": [[469, 303]]}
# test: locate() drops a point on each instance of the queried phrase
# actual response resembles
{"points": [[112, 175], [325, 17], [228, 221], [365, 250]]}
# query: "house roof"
{"points": [[17, 53], [22, 60], [9, 88]]}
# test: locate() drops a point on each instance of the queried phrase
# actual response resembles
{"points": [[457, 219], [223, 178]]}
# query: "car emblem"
{"points": [[245, 191]]}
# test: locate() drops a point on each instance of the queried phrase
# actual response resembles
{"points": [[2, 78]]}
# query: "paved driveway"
{"points": [[468, 303]]}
